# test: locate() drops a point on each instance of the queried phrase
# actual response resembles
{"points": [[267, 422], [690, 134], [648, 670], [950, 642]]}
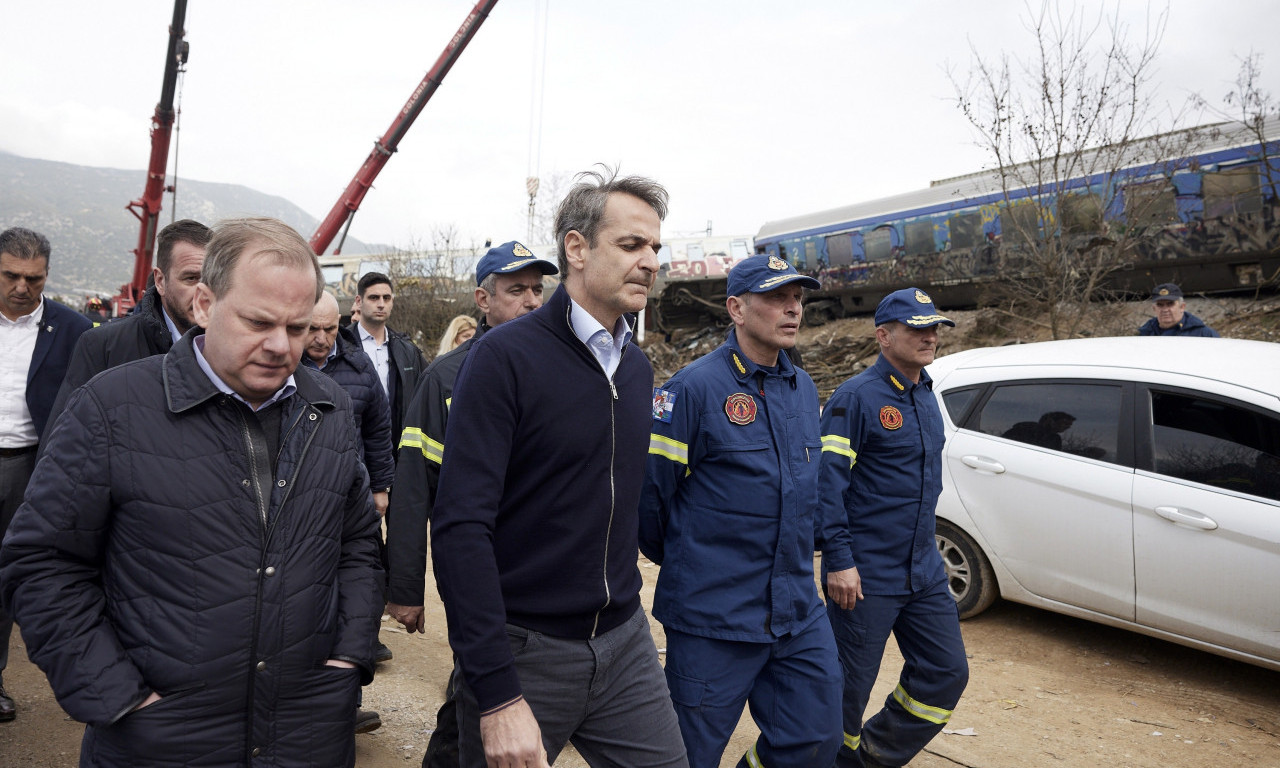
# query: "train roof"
{"points": [[946, 193]]}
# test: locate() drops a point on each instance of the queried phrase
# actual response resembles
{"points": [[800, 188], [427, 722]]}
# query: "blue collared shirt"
{"points": [[285, 391], [174, 333], [606, 347], [306, 359]]}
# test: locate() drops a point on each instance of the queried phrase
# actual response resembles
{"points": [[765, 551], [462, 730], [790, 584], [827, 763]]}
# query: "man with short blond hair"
{"points": [[238, 595]]}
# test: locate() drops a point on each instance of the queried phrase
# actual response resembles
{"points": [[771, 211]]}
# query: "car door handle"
{"points": [[1187, 518], [983, 464]]}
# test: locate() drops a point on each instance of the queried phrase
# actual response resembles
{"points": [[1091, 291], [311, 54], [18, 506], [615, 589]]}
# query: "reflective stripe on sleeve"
{"points": [[840, 445], [852, 742], [675, 450], [415, 438], [923, 711]]}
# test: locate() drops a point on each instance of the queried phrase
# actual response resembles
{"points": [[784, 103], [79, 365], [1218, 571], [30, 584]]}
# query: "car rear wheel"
{"points": [[969, 576]]}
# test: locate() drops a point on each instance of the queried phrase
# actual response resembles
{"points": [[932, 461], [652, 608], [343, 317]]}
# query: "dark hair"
{"points": [[182, 231], [369, 280], [275, 239], [582, 209], [25, 244]]}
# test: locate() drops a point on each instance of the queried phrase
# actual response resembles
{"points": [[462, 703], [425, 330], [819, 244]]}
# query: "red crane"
{"points": [[147, 207], [345, 209]]}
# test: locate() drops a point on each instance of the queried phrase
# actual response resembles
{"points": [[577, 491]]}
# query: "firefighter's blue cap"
{"points": [[1166, 292], [910, 306], [762, 273], [510, 257]]}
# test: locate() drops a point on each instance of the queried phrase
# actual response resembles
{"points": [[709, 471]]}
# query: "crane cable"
{"points": [[538, 74], [177, 144]]}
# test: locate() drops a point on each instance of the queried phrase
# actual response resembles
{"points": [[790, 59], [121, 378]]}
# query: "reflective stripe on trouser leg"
{"points": [[934, 674]]}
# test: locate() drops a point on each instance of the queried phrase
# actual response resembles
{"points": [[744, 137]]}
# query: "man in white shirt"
{"points": [[37, 336]]}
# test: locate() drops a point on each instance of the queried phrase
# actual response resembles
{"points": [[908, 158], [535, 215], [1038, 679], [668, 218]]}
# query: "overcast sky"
{"points": [[747, 110]]}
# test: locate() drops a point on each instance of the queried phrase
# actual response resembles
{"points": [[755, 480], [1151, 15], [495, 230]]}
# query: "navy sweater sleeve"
{"points": [[483, 418]]}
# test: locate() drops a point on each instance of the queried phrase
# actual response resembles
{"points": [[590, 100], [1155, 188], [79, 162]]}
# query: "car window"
{"points": [[1216, 443], [1078, 418], [958, 402]]}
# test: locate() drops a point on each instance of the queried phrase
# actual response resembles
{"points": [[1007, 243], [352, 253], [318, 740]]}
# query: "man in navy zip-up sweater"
{"points": [[535, 522]]}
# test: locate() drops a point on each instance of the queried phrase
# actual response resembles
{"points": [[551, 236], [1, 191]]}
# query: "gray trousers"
{"points": [[15, 471], [608, 696]]}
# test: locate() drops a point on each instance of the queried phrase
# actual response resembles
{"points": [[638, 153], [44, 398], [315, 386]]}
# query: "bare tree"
{"points": [[1079, 108], [434, 283], [551, 190]]}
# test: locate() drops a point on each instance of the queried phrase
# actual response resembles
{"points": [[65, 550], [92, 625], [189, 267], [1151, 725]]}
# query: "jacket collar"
{"points": [[560, 308], [186, 386], [744, 369], [897, 381]]}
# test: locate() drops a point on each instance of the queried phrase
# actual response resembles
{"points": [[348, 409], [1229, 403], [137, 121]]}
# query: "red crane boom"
{"points": [[345, 209], [147, 207]]}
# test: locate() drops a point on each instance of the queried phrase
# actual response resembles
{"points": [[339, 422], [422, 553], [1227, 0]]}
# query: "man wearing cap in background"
{"points": [[729, 503], [882, 473], [508, 285], [1172, 317]]}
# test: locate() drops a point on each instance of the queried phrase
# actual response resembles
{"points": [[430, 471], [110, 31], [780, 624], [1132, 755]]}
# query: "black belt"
{"points": [[8, 453]]}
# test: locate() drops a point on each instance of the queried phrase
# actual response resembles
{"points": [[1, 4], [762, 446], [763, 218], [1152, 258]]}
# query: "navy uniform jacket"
{"points": [[730, 497], [882, 466], [60, 329], [421, 448], [1190, 326]]}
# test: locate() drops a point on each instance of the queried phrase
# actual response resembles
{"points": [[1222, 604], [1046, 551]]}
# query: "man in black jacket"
{"points": [[209, 595], [346, 364], [508, 285], [161, 317], [535, 522], [396, 359]]}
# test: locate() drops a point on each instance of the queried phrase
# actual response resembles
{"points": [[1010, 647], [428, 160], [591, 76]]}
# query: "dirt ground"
{"points": [[1044, 690]]}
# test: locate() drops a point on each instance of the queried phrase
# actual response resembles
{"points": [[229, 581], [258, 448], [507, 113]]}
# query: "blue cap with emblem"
{"points": [[910, 306], [1166, 292], [510, 257], [762, 273]]}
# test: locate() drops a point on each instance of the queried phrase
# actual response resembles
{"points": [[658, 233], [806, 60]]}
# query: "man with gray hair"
{"points": [[534, 529], [226, 615], [37, 335]]}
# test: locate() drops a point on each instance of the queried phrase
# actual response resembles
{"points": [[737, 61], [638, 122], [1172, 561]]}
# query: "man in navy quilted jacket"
{"points": [[207, 594]]}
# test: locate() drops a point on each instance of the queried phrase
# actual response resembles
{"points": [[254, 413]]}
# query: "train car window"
{"points": [[966, 230], [738, 250], [1080, 213], [920, 238], [878, 244], [1020, 223], [810, 255], [695, 252], [1150, 203], [1232, 192], [839, 250]]}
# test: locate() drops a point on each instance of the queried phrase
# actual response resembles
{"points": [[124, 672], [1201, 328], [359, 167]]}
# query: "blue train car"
{"points": [[1206, 219]]}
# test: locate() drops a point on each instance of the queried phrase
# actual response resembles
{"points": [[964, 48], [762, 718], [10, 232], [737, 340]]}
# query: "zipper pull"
{"points": [[613, 389]]}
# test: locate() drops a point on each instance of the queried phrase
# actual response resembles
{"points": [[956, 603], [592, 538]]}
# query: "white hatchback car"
{"points": [[1130, 481]]}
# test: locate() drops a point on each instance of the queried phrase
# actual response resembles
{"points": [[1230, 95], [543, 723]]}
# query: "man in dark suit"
{"points": [[37, 336]]}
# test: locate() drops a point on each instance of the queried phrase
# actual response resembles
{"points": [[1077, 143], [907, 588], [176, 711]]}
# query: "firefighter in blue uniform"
{"points": [[728, 508], [882, 469]]}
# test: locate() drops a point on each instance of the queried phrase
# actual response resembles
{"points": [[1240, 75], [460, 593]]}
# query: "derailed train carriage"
{"points": [[1205, 218]]}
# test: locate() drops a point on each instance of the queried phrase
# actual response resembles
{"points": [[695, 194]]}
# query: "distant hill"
{"points": [[82, 212]]}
